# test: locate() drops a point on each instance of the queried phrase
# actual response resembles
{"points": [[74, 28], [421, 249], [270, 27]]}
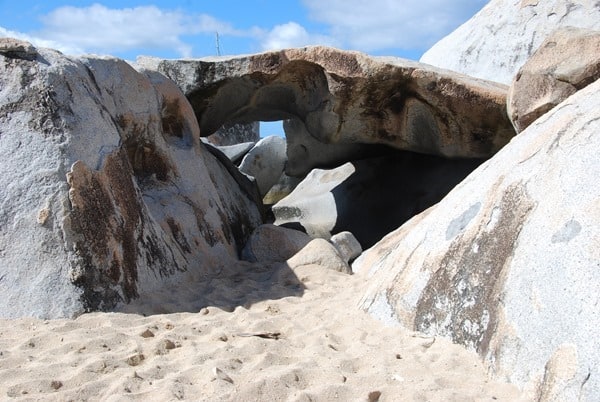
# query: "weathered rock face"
{"points": [[348, 97], [568, 60], [369, 197], [500, 38], [106, 191], [507, 263], [265, 162]]}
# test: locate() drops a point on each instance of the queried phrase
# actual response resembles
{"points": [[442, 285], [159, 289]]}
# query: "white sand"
{"points": [[274, 346]]}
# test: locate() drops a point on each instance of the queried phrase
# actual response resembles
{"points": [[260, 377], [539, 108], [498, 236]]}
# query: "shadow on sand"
{"points": [[238, 284]]}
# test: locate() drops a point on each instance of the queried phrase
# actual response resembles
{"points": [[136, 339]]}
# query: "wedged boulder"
{"points": [[321, 253], [270, 243], [567, 61], [507, 263], [347, 245], [235, 153], [232, 134], [265, 162], [500, 38], [369, 197], [107, 193], [348, 97]]}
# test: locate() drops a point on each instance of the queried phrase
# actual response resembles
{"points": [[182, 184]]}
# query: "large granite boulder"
{"points": [[568, 60], [499, 39], [107, 193], [265, 162], [369, 197], [507, 263], [348, 97]]}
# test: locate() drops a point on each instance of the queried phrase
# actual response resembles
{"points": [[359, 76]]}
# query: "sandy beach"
{"points": [[265, 333]]}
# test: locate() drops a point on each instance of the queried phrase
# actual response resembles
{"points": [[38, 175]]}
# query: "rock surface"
{"points": [[265, 162], [232, 134], [284, 187], [347, 245], [507, 264], [369, 197], [11, 47], [500, 38], [348, 97], [321, 253], [305, 153], [567, 61], [107, 192], [270, 243], [235, 153]]}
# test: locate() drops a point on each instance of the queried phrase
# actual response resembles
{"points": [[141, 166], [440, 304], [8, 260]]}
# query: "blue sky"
{"points": [[187, 28]]}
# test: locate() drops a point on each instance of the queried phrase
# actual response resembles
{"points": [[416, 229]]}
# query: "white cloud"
{"points": [[383, 24], [39, 42], [98, 28], [293, 34]]}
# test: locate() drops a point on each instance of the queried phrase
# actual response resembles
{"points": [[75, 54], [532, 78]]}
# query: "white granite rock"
{"points": [[507, 263], [568, 60], [106, 191], [500, 38]]}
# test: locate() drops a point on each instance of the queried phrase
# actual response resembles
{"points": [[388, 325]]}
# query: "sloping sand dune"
{"points": [[258, 334]]}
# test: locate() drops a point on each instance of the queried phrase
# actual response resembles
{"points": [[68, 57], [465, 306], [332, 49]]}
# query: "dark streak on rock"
{"points": [[463, 296]]}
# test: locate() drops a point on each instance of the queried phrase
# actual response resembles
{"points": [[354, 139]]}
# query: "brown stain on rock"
{"points": [[172, 120], [464, 294], [178, 235], [144, 157], [106, 216]]}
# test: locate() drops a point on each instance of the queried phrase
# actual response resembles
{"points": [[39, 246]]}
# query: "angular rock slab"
{"points": [[233, 134], [507, 263], [567, 61], [500, 38], [107, 193], [369, 197], [348, 97], [235, 153]]}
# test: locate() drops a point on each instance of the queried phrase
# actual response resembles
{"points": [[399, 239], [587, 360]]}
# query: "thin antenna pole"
{"points": [[218, 44]]}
